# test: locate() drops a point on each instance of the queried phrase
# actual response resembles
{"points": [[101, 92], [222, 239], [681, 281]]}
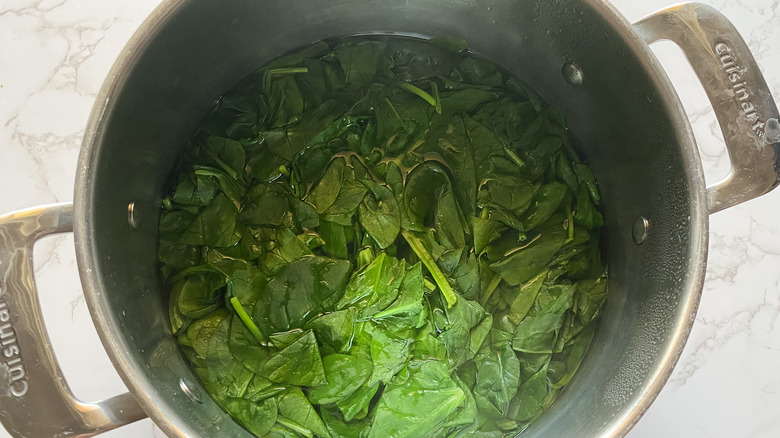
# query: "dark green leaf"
{"points": [[293, 404], [344, 375], [485, 232], [388, 353], [518, 262], [214, 225], [266, 204], [414, 406], [228, 377], [375, 287], [336, 329], [380, 215], [258, 418], [325, 192], [200, 331], [498, 377], [357, 404], [359, 61], [297, 364], [410, 295], [336, 238], [304, 289]]}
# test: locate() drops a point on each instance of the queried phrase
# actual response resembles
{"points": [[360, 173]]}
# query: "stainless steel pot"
{"points": [[582, 56]]}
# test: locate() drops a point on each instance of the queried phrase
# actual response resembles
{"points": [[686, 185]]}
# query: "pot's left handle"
{"points": [[35, 400]]}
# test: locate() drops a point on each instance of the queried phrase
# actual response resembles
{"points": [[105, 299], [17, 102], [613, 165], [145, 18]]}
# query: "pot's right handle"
{"points": [[35, 400], [746, 112]]}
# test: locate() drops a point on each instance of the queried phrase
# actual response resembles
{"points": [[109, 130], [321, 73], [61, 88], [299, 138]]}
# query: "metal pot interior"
{"points": [[626, 119]]}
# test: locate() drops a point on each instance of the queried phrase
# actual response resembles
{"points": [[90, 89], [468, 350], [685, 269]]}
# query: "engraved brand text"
{"points": [[739, 86], [10, 353]]}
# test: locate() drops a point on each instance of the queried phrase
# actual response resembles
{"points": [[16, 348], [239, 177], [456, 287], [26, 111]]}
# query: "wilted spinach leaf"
{"points": [[383, 237]]}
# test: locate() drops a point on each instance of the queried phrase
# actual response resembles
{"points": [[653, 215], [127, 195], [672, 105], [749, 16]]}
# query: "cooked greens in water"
{"points": [[383, 237]]}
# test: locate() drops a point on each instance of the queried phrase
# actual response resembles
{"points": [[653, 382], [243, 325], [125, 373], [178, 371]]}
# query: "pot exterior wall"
{"points": [[626, 119]]}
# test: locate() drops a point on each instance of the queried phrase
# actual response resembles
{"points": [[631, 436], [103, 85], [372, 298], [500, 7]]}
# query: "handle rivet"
{"points": [[189, 388], [132, 216], [572, 74], [639, 229]]}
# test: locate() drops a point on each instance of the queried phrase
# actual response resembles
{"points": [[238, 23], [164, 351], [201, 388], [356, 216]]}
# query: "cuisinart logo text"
{"points": [[10, 353], [741, 88]]}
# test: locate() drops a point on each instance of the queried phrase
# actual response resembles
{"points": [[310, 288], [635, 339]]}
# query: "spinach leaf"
{"points": [[388, 353], [245, 347], [285, 101], [228, 154], [590, 297], [517, 262], [266, 204], [327, 189], [357, 404], [510, 193], [522, 298], [344, 374], [545, 202], [467, 324], [417, 245], [533, 394], [485, 232], [429, 200], [336, 329], [375, 287], [200, 331], [498, 377], [410, 295], [258, 418], [293, 404], [380, 215], [416, 405], [563, 365], [537, 332], [336, 237], [214, 225], [467, 327], [227, 377], [198, 293], [342, 428], [297, 364], [359, 61], [300, 292]]}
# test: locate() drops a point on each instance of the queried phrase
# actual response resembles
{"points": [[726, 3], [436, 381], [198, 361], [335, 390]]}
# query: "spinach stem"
{"points": [[435, 91], [418, 91], [431, 286], [514, 157], [279, 72], [247, 321], [229, 170], [417, 246], [294, 426], [570, 223], [265, 394], [492, 286]]}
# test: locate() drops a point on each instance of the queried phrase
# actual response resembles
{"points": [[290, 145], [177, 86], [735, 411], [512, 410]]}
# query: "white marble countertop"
{"points": [[54, 55]]}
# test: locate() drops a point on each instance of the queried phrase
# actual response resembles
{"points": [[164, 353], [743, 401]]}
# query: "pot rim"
{"points": [[120, 352]]}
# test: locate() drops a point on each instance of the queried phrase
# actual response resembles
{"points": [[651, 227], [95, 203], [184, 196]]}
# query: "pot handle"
{"points": [[746, 112], [35, 400]]}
